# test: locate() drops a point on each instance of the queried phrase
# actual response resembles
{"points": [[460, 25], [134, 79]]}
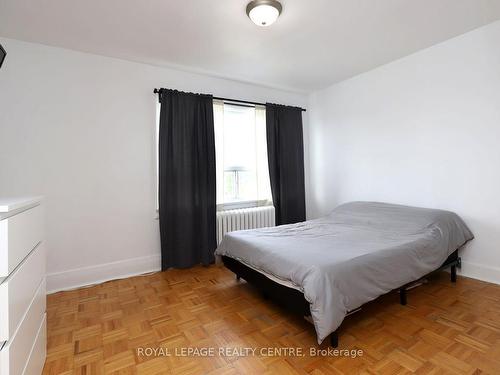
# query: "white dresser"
{"points": [[22, 287]]}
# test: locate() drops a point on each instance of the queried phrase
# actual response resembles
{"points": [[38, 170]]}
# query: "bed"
{"points": [[328, 267]]}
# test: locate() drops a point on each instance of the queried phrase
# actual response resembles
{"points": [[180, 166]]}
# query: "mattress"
{"points": [[357, 253], [277, 280]]}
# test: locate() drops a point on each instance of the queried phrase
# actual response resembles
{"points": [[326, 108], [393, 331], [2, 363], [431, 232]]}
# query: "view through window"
{"points": [[241, 155]]}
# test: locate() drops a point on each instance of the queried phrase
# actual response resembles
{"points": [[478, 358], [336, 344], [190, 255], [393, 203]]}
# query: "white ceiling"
{"points": [[312, 45]]}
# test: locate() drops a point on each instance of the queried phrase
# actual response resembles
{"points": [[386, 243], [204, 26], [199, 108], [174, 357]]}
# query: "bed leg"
{"points": [[334, 339], [453, 273], [402, 296]]}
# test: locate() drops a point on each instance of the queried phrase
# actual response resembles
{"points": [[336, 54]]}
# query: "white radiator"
{"points": [[244, 218]]}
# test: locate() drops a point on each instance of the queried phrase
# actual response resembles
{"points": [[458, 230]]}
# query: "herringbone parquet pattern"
{"points": [[445, 328]]}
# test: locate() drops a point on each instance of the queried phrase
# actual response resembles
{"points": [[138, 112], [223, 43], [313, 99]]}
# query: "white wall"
{"points": [[80, 130], [423, 130]]}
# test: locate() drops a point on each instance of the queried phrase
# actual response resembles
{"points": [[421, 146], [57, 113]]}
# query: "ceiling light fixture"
{"points": [[264, 12]]}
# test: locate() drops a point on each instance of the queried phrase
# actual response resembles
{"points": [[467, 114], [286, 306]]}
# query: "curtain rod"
{"points": [[157, 91]]}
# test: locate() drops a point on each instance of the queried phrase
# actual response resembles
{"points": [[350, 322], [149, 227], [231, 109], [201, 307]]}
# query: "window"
{"points": [[241, 156]]}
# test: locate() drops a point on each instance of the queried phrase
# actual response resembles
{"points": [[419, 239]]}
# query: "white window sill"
{"points": [[234, 206], [243, 204]]}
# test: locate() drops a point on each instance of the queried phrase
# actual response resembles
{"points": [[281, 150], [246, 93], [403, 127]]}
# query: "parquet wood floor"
{"points": [[445, 329]]}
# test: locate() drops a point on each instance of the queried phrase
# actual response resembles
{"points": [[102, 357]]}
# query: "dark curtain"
{"points": [[187, 197], [285, 152]]}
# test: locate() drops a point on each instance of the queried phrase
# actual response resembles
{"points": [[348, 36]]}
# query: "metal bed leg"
{"points": [[453, 273], [334, 339], [402, 296]]}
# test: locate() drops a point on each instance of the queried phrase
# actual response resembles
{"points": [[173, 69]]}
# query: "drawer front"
{"points": [[36, 360], [19, 234], [15, 354], [18, 290]]}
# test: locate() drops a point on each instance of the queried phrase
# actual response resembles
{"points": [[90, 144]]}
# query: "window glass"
{"points": [[241, 154]]}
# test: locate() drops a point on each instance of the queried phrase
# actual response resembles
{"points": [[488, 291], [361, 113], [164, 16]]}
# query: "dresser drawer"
{"points": [[36, 359], [15, 354], [18, 290], [19, 234]]}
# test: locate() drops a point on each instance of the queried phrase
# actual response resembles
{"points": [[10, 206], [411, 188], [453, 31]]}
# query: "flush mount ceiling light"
{"points": [[264, 12]]}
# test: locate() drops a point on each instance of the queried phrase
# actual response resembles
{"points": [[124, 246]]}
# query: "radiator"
{"points": [[244, 218]]}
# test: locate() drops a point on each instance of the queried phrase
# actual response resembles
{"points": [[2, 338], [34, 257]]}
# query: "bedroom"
{"points": [[107, 239]]}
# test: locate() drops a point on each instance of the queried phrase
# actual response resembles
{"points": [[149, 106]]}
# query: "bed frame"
{"points": [[293, 300]]}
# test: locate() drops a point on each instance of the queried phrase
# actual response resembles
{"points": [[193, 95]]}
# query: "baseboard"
{"points": [[84, 276], [480, 272]]}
